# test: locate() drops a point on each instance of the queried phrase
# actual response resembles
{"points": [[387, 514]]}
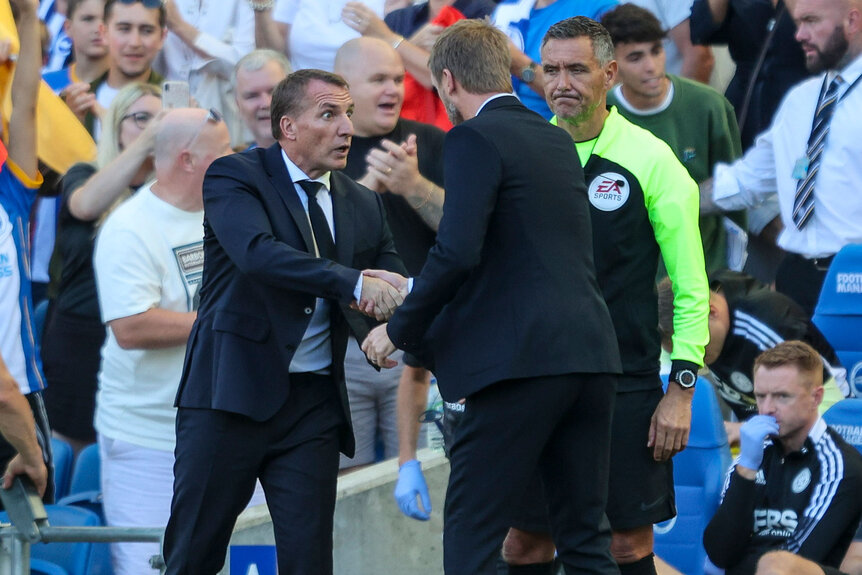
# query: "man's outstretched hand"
{"points": [[382, 293]]}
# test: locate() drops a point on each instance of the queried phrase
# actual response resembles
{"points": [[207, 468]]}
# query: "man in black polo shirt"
{"points": [[402, 160]]}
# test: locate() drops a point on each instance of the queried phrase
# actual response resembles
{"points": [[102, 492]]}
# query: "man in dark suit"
{"points": [[508, 313], [262, 394]]}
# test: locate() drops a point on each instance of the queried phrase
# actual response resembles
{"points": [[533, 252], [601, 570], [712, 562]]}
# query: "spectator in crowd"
{"points": [[525, 23], [57, 47], [786, 563], [516, 229], [795, 485], [410, 19], [206, 38], [643, 203], [760, 37], [19, 180], [810, 155], [85, 27], [308, 31], [693, 119], [255, 77], [73, 333], [18, 428], [262, 393], [402, 160], [746, 317], [422, 23], [148, 261], [684, 58], [134, 32]]}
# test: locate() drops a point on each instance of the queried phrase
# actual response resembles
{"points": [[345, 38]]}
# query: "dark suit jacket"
{"points": [[509, 290], [260, 282]]}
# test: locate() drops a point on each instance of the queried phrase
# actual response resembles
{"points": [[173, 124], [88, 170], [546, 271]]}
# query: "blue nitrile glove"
{"points": [[411, 483], [752, 434]]}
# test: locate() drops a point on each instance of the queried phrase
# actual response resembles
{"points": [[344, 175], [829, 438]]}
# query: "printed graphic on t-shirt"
{"points": [[190, 260]]}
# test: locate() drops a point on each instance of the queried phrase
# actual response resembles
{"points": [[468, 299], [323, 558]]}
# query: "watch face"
{"points": [[528, 75], [686, 378]]}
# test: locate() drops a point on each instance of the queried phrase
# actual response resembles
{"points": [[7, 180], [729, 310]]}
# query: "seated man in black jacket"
{"points": [[795, 484]]}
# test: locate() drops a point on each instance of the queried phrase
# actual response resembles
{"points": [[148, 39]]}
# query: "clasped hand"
{"points": [[382, 293]]}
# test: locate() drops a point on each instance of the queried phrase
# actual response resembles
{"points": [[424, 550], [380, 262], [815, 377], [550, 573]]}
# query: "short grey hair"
{"points": [[581, 26], [257, 59]]}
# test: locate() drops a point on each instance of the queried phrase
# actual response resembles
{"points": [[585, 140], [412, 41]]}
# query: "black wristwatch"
{"points": [[684, 373], [528, 74]]}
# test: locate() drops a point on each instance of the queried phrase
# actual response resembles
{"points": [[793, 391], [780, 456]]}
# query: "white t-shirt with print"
{"points": [[149, 254]]}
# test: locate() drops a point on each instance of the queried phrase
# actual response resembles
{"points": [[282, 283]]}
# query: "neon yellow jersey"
{"points": [[644, 202]]}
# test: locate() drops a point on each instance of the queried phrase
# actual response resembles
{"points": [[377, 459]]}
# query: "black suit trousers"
{"points": [[559, 425], [220, 455]]}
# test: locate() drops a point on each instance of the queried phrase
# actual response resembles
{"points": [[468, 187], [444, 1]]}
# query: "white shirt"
{"points": [[768, 167], [227, 34], [314, 353], [316, 30], [148, 254]]}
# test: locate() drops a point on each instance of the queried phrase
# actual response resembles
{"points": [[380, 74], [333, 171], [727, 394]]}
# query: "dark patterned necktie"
{"points": [[319, 225], [803, 202]]}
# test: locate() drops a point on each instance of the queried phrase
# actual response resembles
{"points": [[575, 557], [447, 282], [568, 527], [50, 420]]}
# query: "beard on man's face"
{"points": [[831, 55]]}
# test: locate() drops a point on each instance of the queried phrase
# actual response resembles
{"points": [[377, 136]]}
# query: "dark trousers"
{"points": [[559, 425], [801, 279], [219, 456]]}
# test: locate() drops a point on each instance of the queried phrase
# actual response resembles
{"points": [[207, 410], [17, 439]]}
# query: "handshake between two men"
{"points": [[382, 292]]}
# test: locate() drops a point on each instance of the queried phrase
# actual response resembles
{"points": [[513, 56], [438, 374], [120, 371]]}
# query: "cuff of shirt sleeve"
{"points": [[409, 285], [357, 291]]}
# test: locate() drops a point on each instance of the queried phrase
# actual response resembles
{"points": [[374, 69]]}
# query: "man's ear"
{"points": [[288, 127], [447, 81]]}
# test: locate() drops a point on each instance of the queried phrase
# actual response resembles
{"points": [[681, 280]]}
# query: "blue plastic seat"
{"points": [[845, 417], [67, 558], [63, 455], [86, 474], [698, 474], [838, 314]]}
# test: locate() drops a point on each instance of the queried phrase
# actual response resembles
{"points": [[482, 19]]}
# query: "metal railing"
{"points": [[30, 525]]}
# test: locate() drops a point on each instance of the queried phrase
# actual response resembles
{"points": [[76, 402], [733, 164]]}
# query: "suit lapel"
{"points": [[284, 188], [343, 215]]}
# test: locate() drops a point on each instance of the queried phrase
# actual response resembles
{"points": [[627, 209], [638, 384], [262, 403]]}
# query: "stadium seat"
{"points": [[838, 314], [86, 474], [63, 455], [698, 473], [845, 417], [66, 558]]}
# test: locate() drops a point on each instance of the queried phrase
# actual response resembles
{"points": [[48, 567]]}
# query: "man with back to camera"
{"points": [[402, 160], [262, 393], [507, 314], [795, 485], [643, 202]]}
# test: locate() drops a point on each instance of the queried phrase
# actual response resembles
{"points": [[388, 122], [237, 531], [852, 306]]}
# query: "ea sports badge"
{"points": [[608, 191]]}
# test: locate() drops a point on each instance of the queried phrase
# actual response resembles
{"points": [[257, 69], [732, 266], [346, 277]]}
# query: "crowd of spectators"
{"points": [[113, 248]]}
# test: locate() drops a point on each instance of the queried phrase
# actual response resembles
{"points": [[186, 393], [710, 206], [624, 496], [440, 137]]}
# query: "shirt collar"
{"points": [[494, 97], [817, 430], [297, 175]]}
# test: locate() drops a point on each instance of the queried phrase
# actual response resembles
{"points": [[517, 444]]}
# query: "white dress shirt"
{"points": [[768, 168], [314, 353]]}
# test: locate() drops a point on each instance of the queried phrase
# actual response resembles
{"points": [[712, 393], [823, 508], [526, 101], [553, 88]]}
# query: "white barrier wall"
{"points": [[372, 537]]}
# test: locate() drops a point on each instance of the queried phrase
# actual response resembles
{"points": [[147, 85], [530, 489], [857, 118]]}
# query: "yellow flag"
{"points": [[61, 140]]}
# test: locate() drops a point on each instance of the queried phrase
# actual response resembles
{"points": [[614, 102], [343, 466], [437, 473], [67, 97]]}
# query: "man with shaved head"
{"points": [[148, 261], [810, 155], [403, 161]]}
